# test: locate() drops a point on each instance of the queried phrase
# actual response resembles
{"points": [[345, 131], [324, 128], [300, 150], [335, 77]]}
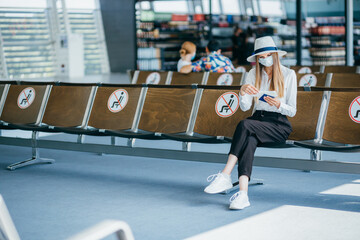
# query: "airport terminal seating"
{"points": [[186, 113]]}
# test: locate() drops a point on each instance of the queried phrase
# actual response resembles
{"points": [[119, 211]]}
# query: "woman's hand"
{"points": [[273, 101], [248, 89]]}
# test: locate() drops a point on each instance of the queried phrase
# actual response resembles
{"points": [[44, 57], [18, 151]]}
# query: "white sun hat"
{"points": [[265, 45]]}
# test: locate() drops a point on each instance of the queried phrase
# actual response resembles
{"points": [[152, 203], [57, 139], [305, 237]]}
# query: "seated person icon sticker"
{"points": [[26, 98], [227, 104], [354, 110], [118, 100], [308, 80], [153, 78], [304, 70], [225, 79]]}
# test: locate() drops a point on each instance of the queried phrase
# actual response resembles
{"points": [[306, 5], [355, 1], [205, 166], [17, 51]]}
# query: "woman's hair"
{"points": [[277, 80], [186, 48]]}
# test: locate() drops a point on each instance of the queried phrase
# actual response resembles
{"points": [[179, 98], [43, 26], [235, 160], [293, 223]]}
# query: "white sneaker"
{"points": [[221, 183], [239, 200]]}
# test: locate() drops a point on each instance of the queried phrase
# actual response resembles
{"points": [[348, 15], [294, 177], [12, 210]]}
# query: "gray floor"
{"points": [[164, 199]]}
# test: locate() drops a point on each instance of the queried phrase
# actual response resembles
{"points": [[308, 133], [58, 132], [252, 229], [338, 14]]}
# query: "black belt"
{"points": [[264, 113]]}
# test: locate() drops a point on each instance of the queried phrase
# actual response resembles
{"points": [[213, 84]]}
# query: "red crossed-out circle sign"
{"points": [[118, 100], [304, 70], [225, 79], [354, 110], [308, 80], [153, 78], [26, 98], [227, 104], [240, 69]]}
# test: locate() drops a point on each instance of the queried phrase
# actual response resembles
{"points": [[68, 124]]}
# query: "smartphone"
{"points": [[264, 95]]}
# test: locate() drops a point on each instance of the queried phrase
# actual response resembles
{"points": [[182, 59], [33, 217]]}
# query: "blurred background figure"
{"points": [[239, 46], [187, 54]]}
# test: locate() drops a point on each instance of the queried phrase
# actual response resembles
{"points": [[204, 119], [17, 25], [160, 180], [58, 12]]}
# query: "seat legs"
{"points": [[186, 146], [35, 159], [315, 155]]}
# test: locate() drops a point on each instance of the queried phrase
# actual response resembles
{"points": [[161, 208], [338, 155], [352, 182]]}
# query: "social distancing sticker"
{"points": [[305, 70], [118, 100], [227, 104], [354, 110], [240, 69], [225, 79], [153, 78], [308, 80], [26, 98]]}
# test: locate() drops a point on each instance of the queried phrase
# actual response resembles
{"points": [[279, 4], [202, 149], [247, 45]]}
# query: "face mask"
{"points": [[267, 62], [193, 57]]}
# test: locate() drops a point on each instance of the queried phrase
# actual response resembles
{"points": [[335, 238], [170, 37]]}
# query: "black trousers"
{"points": [[261, 127]]}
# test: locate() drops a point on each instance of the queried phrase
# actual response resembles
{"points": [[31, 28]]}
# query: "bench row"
{"points": [[206, 114], [236, 79], [311, 69]]}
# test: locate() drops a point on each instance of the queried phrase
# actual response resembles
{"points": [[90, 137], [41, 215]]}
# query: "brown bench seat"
{"points": [[23, 106], [217, 116], [65, 109], [342, 124], [166, 109]]}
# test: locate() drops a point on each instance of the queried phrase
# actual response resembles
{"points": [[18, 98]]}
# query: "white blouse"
{"points": [[182, 63], [288, 102]]}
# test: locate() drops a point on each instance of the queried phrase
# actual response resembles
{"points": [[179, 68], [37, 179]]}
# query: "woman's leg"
{"points": [[231, 162], [244, 183], [237, 146]]}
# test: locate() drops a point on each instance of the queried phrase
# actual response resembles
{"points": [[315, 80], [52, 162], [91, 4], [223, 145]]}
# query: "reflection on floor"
{"points": [[290, 222]]}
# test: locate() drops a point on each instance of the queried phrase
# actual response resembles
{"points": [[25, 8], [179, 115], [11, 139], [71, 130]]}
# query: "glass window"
{"points": [[249, 11], [230, 6], [171, 6], [214, 5], [23, 3], [256, 7], [80, 4], [198, 9], [145, 5], [271, 8]]}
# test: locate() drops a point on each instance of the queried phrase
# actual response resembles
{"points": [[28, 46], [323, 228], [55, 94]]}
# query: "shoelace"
{"points": [[212, 177], [233, 197]]}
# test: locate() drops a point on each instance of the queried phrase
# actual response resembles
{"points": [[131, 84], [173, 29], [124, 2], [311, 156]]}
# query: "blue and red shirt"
{"points": [[213, 63]]}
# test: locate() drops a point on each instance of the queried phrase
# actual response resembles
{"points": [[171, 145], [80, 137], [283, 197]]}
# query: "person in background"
{"points": [[239, 46], [187, 54], [213, 62], [250, 40]]}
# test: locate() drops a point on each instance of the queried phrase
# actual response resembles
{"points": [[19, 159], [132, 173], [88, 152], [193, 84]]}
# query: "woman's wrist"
{"points": [[242, 93]]}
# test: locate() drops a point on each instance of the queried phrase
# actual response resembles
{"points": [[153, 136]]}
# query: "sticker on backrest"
{"points": [[153, 78], [240, 69], [118, 100], [308, 80], [225, 79], [305, 70], [26, 98], [354, 110], [227, 104]]}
